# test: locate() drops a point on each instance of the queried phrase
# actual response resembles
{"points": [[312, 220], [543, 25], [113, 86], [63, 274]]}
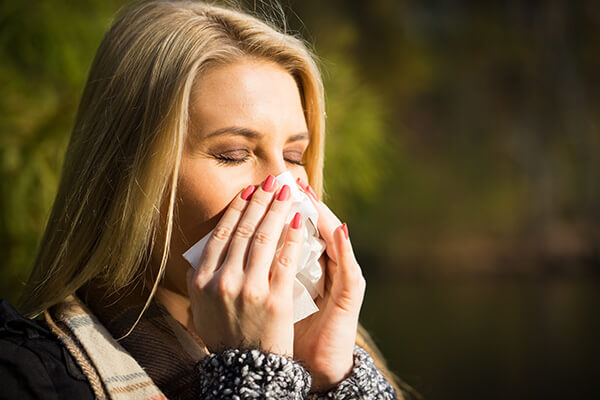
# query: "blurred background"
{"points": [[463, 150]]}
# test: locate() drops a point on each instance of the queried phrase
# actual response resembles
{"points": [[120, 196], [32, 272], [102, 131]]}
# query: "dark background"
{"points": [[463, 150]]}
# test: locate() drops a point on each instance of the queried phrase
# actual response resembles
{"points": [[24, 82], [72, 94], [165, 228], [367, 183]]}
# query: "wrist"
{"points": [[365, 382], [323, 381]]}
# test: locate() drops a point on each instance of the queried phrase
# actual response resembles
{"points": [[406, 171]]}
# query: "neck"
{"points": [[178, 305]]}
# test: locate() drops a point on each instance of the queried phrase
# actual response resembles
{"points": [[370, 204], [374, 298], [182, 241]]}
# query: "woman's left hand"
{"points": [[325, 340]]}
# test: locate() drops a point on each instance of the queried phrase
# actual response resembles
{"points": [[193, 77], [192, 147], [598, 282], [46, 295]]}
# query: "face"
{"points": [[246, 122]]}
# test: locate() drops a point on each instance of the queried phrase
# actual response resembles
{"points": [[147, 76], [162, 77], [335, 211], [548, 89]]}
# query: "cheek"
{"points": [[204, 193], [199, 203]]}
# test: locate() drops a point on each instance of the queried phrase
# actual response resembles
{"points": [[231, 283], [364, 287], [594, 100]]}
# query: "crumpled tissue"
{"points": [[309, 282]]}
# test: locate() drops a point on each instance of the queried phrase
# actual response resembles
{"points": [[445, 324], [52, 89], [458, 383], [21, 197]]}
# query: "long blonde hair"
{"points": [[123, 158]]}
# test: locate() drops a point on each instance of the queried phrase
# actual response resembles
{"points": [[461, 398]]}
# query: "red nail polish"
{"points": [[345, 229], [284, 193], [297, 221], [301, 182], [312, 192], [269, 184], [248, 192]]}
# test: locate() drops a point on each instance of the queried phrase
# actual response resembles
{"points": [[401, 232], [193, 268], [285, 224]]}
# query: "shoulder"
{"points": [[33, 363]]}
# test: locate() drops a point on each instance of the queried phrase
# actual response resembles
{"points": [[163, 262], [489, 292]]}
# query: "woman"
{"points": [[188, 106]]}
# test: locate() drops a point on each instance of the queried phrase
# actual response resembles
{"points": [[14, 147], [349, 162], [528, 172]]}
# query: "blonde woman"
{"points": [[189, 112]]}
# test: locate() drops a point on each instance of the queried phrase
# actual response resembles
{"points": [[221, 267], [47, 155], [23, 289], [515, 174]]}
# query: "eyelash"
{"points": [[229, 161]]}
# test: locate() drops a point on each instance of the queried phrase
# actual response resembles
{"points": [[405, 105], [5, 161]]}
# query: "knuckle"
{"points": [[285, 260], [293, 240], [279, 207], [197, 285], [238, 206], [274, 307], [261, 200], [221, 233], [262, 237], [200, 281], [225, 288], [253, 295], [244, 230]]}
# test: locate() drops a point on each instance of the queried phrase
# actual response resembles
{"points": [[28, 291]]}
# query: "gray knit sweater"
{"points": [[252, 374]]}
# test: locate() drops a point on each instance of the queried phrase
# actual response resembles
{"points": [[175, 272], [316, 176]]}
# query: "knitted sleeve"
{"points": [[239, 374], [364, 382]]}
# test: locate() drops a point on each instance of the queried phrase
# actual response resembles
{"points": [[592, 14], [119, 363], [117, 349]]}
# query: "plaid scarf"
{"points": [[155, 360]]}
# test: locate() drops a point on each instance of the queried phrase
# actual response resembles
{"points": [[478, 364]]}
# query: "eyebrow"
{"points": [[252, 134]]}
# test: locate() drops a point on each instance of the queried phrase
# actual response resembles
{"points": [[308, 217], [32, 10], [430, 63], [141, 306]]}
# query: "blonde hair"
{"points": [[123, 158]]}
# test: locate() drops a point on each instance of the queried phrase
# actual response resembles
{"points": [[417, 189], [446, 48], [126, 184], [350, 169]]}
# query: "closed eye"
{"points": [[294, 157], [237, 157], [232, 157]]}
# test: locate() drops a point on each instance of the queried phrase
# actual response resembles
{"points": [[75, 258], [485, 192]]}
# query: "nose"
{"points": [[274, 166]]}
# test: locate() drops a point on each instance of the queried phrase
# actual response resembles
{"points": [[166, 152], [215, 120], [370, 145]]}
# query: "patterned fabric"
{"points": [[161, 345], [160, 359], [121, 376], [71, 344], [252, 374]]}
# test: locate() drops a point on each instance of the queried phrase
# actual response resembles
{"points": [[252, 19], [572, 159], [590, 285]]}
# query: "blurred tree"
{"points": [[45, 53], [465, 134], [463, 142]]}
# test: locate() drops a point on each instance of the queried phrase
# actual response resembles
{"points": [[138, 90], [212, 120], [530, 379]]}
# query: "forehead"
{"points": [[249, 93]]}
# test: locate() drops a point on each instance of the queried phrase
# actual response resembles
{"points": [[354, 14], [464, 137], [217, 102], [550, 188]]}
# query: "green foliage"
{"points": [[358, 151], [462, 140], [46, 52], [447, 126]]}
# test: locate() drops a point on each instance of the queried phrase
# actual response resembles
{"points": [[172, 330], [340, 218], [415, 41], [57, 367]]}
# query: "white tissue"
{"points": [[309, 276]]}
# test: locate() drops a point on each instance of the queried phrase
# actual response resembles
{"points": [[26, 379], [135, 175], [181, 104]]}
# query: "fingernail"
{"points": [[307, 188], [312, 192], [284, 193], [345, 229], [248, 192], [297, 221], [301, 182], [269, 184]]}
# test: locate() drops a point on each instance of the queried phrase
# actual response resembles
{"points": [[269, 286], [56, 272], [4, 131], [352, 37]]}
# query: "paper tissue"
{"points": [[309, 277]]}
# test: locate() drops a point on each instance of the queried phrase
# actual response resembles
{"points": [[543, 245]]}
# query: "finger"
{"points": [[328, 221], [264, 244], [348, 269], [220, 237], [285, 266], [246, 227]]}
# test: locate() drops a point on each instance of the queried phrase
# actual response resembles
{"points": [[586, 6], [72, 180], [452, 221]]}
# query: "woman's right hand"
{"points": [[241, 297]]}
